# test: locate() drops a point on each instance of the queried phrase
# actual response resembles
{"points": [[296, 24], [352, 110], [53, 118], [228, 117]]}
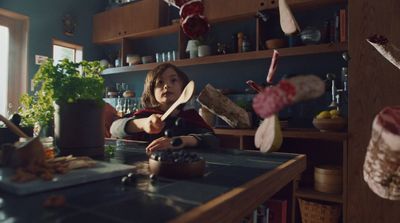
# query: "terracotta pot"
{"points": [[79, 128]]}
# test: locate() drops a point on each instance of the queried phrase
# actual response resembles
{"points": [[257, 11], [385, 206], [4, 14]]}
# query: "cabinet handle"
{"points": [[119, 33], [261, 3]]}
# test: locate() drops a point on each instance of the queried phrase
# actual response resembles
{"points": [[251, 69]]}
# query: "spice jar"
{"points": [[48, 146]]}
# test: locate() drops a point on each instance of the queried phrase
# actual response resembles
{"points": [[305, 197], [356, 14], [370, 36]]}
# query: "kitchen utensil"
{"points": [[25, 153], [288, 22], [185, 96], [13, 127]]}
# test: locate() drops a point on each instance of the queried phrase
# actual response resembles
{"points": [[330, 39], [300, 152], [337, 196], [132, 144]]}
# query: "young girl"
{"points": [[162, 87]]}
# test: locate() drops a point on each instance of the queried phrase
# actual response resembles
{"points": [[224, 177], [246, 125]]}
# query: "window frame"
{"points": [[17, 83], [75, 47]]}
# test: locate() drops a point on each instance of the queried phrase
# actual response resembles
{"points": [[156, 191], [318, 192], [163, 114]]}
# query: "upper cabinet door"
{"points": [[142, 15], [132, 18], [107, 25], [220, 10]]}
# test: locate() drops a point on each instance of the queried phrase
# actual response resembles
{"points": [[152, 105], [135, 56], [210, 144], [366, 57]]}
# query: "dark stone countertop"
{"points": [[147, 200]]}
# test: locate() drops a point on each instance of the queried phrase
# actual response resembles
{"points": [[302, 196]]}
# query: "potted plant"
{"points": [[37, 111], [204, 46], [74, 91]]}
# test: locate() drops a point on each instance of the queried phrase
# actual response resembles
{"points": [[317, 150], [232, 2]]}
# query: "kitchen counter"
{"points": [[234, 184]]}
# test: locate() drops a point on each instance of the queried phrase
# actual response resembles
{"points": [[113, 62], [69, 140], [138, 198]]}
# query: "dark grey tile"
{"points": [[145, 208], [192, 191]]}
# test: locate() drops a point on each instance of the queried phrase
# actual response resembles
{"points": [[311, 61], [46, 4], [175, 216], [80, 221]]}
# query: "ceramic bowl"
{"points": [[330, 125], [177, 170], [147, 59], [275, 43], [133, 59]]}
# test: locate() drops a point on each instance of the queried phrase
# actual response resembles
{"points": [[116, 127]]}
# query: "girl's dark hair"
{"points": [[148, 99]]}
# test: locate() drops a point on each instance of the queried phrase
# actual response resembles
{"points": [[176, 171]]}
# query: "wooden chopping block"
{"points": [[223, 107]]}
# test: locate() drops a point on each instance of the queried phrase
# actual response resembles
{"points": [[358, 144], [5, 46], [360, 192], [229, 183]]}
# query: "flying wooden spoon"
{"points": [[288, 22], [185, 96]]}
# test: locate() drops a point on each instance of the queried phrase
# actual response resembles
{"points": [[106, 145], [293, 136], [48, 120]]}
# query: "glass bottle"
{"points": [[234, 43]]}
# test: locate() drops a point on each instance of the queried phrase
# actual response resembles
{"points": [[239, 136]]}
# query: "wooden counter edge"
{"points": [[239, 202]]}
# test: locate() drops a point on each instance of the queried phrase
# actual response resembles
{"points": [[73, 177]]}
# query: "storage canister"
{"points": [[328, 178]]}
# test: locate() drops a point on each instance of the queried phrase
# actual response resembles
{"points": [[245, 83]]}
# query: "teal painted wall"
{"points": [[45, 23]]}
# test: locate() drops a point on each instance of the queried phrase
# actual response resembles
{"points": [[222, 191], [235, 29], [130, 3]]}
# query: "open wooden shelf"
{"points": [[289, 133], [312, 194], [254, 55]]}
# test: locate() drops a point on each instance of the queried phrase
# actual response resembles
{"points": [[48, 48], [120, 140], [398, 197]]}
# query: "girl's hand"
{"points": [[153, 124], [161, 144]]}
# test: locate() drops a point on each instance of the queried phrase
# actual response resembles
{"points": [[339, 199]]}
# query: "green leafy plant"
{"points": [[66, 82]]}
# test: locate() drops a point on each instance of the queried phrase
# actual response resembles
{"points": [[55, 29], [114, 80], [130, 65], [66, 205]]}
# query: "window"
{"points": [[4, 35], [13, 60], [63, 50]]}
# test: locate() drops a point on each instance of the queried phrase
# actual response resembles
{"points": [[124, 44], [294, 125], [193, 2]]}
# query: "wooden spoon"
{"points": [[288, 22], [185, 96], [26, 153]]}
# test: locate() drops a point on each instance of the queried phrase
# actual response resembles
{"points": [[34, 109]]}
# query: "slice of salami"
{"points": [[288, 91]]}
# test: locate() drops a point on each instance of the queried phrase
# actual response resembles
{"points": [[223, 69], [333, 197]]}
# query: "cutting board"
{"points": [[102, 170]]}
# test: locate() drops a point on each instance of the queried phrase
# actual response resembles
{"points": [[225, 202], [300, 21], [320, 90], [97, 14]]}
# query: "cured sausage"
{"points": [[288, 91], [382, 160]]}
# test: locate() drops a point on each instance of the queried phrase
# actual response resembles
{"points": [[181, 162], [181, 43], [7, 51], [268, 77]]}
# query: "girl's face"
{"points": [[168, 88]]}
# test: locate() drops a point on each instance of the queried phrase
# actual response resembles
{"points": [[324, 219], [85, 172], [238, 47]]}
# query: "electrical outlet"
{"points": [[39, 59]]}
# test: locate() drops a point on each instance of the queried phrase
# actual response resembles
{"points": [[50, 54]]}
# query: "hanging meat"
{"points": [[193, 22]]}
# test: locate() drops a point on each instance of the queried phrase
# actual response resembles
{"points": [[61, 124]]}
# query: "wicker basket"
{"points": [[312, 212]]}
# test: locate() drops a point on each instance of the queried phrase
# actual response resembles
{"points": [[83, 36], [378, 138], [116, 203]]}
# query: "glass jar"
{"points": [[48, 146], [310, 35]]}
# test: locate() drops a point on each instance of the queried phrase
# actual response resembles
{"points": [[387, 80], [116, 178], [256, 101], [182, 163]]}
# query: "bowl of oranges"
{"points": [[329, 120]]}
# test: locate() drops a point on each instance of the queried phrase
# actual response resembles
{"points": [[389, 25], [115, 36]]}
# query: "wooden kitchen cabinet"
{"points": [[222, 10], [107, 25], [113, 25], [321, 148]]}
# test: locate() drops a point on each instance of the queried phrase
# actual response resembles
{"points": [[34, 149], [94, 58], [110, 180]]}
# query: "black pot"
{"points": [[7, 136], [79, 128]]}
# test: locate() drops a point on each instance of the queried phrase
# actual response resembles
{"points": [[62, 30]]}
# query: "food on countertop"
{"points": [[268, 137], [46, 170], [382, 160], [175, 156], [287, 92]]}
